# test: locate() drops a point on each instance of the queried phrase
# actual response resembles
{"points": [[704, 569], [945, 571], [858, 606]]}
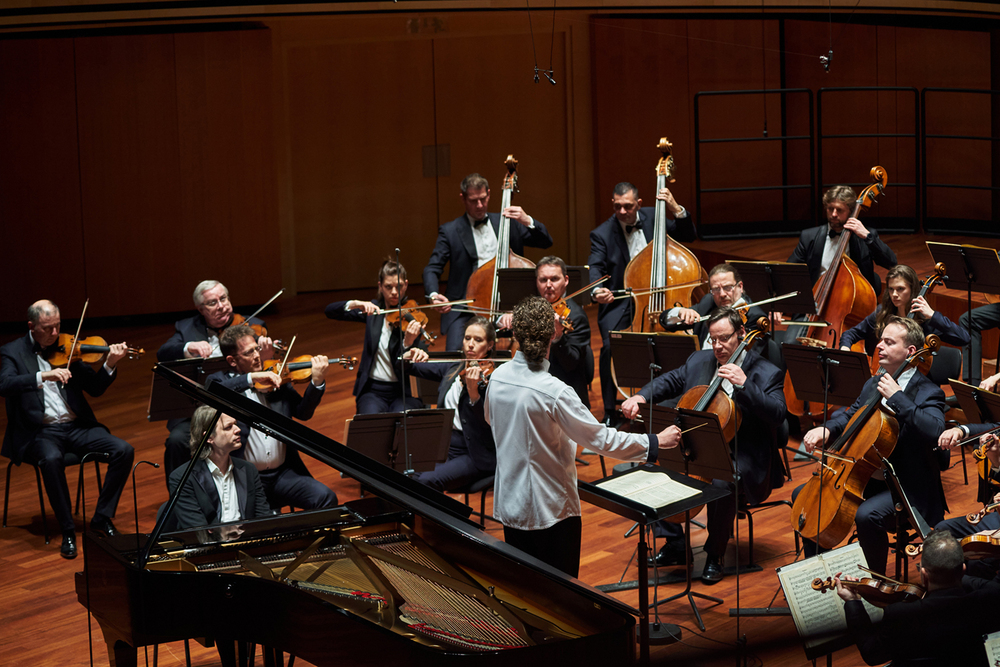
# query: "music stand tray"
{"points": [[980, 406], [807, 371], [515, 284], [381, 437], [165, 403], [632, 353], [968, 264]]}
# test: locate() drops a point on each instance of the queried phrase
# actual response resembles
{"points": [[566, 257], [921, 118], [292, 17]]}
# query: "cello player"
{"points": [[468, 242], [918, 405], [755, 385], [613, 244]]}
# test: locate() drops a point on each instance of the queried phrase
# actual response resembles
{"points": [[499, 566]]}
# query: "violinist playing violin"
{"points": [[198, 336], [283, 474], [918, 406], [377, 387], [725, 289], [755, 386], [902, 297], [613, 244], [570, 359], [943, 629], [987, 457], [468, 242], [472, 453], [48, 417]]}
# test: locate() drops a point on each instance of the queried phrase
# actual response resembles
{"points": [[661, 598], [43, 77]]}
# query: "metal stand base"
{"points": [[661, 634]]}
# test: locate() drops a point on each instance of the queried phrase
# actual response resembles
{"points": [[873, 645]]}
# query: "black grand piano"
{"points": [[401, 574]]}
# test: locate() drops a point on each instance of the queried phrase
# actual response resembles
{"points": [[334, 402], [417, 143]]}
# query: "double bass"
{"points": [[825, 508], [662, 263], [843, 296], [483, 284]]}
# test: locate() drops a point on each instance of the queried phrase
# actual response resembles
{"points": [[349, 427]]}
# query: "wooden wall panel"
{"points": [[359, 114], [39, 178], [488, 107]]}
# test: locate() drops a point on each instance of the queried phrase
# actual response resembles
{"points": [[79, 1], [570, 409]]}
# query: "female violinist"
{"points": [[903, 297], [378, 388], [755, 387], [472, 453], [918, 406]]}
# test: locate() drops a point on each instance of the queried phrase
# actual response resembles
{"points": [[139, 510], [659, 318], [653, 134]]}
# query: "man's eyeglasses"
{"points": [[215, 302], [728, 289], [721, 340], [247, 354]]}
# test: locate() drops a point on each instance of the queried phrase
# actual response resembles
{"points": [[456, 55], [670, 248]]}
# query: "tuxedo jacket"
{"points": [[285, 401], [198, 504], [919, 412], [762, 404], [949, 332], [188, 330], [476, 431], [866, 254], [456, 246], [373, 334], [571, 359], [944, 628], [24, 400], [705, 307], [609, 256]]}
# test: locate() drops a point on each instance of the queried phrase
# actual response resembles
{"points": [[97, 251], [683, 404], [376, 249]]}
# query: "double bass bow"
{"points": [[825, 508], [662, 263], [483, 284]]}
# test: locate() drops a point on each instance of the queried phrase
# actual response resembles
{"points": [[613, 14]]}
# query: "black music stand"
{"points": [[644, 514], [637, 358], [823, 375], [904, 511], [384, 437], [980, 406], [766, 280], [165, 403], [980, 268], [516, 284]]}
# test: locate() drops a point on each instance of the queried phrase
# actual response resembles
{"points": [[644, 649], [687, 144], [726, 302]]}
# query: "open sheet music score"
{"points": [[648, 488], [819, 617]]}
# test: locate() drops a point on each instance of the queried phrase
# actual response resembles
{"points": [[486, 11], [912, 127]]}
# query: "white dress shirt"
{"points": [[485, 238], [225, 484], [536, 421], [382, 368], [829, 249], [262, 450]]}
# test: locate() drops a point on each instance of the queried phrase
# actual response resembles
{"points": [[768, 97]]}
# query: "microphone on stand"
{"points": [[135, 500]]}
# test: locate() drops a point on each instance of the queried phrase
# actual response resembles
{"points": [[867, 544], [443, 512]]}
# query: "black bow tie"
{"points": [[834, 234], [479, 223], [637, 225], [44, 352]]}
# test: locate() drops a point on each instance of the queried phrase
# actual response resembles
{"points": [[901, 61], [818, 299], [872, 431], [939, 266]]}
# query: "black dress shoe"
{"points": [[671, 554], [104, 527], [712, 574], [68, 548]]}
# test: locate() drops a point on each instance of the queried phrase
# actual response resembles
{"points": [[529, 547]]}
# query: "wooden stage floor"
{"points": [[44, 625]]}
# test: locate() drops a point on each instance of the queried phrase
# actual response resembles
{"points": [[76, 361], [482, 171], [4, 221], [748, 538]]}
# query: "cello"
{"points": [[825, 508], [483, 284], [843, 296], [662, 263]]}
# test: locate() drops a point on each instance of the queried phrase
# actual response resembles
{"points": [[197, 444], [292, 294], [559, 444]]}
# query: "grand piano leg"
{"points": [[121, 654]]}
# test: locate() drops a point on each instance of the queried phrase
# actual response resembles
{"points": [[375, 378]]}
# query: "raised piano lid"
{"points": [[383, 480]]}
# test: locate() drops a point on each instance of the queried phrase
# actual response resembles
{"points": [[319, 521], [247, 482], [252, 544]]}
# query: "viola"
{"points": [[561, 308], [408, 312], [976, 517], [935, 278], [843, 296], [879, 592], [487, 366], [981, 545], [299, 369], [825, 508], [89, 350], [663, 263]]}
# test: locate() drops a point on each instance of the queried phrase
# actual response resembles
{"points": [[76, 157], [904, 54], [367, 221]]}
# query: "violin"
{"points": [[976, 517], [675, 324], [258, 329], [561, 308], [487, 366], [876, 591], [653, 275], [981, 545], [825, 509], [409, 311], [299, 369], [89, 350]]}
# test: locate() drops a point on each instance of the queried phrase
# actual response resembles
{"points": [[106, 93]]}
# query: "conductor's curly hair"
{"points": [[534, 326]]}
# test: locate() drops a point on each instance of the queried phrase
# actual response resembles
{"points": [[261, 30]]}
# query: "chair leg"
{"points": [[79, 491], [6, 494], [965, 469], [97, 471], [41, 503], [187, 653], [750, 535], [788, 467]]}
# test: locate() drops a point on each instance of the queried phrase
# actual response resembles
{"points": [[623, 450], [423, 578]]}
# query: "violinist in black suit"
{"points": [[48, 416], [756, 387], [222, 488], [918, 405], [570, 357], [613, 244], [468, 242], [472, 454], [816, 244], [198, 336], [285, 478], [377, 388]]}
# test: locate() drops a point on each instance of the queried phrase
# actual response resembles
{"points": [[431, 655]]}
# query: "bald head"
{"points": [[40, 308], [43, 322]]}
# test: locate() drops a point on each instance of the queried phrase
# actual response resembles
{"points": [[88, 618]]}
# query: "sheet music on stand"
{"points": [[164, 402], [980, 406], [380, 437], [808, 371]]}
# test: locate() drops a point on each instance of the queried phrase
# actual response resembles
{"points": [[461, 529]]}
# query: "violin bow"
{"points": [[385, 311], [288, 351], [79, 326]]}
